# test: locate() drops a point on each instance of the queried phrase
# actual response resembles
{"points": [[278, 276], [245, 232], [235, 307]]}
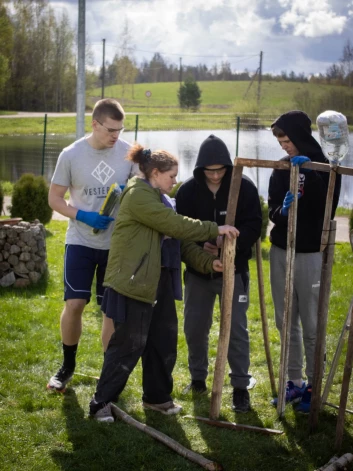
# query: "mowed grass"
{"points": [[222, 102], [41, 430]]}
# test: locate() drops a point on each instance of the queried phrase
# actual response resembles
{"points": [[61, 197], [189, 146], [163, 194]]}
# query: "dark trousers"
{"points": [[151, 333]]}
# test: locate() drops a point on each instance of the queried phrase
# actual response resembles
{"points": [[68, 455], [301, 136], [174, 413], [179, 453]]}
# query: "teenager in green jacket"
{"points": [[143, 280]]}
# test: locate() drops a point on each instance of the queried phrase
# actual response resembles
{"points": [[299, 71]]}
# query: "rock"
{"points": [[14, 249], [25, 257], [21, 268], [13, 260], [8, 280], [21, 283], [30, 265], [34, 276], [4, 266]]}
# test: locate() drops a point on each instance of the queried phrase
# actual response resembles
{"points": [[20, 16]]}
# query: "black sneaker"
{"points": [[197, 386], [241, 400], [59, 381]]}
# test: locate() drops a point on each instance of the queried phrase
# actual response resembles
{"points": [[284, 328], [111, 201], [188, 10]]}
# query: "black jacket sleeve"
{"points": [[248, 219]]}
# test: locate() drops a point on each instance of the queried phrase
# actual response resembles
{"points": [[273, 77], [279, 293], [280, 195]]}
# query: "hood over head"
{"points": [[297, 126], [213, 151]]}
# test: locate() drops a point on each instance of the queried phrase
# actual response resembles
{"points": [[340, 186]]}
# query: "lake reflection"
{"points": [[20, 154]]}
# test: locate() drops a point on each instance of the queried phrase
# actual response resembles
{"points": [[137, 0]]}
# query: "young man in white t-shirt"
{"points": [[87, 168]]}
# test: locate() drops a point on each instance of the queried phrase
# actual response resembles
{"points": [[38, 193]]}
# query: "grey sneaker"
{"points": [[167, 408], [59, 381], [104, 414]]}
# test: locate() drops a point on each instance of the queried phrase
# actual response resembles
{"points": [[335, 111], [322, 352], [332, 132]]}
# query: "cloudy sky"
{"points": [[300, 35]]}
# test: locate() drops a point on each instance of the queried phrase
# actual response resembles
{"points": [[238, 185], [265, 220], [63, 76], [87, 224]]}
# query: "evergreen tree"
{"points": [[189, 95]]}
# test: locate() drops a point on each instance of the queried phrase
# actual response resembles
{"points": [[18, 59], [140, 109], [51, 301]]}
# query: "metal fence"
{"points": [[38, 154]]}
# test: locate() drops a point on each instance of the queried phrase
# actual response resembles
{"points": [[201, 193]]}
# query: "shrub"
{"points": [[7, 188], [1, 198], [351, 221], [189, 95], [264, 210], [30, 199]]}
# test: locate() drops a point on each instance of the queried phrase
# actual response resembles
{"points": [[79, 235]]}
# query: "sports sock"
{"points": [[69, 356]]}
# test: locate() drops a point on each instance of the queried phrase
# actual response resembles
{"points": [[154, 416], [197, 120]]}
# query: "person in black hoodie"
{"points": [[205, 196], [293, 132]]}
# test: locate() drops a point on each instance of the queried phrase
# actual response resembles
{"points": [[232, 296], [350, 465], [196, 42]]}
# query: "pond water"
{"points": [[20, 154]]}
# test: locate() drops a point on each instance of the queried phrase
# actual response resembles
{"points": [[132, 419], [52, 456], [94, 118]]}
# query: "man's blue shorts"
{"points": [[80, 265]]}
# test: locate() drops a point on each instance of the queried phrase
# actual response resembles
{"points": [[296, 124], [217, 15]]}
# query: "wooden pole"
{"points": [[227, 296], [336, 356], [337, 464], [174, 445], [345, 387], [283, 165], [328, 208], [260, 282], [322, 314], [288, 295], [233, 426]]}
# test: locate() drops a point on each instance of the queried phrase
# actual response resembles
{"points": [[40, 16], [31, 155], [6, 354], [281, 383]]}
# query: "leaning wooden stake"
{"points": [[336, 356], [260, 282], [328, 208], [288, 296], [345, 388], [174, 445], [233, 426], [322, 314], [227, 296]]}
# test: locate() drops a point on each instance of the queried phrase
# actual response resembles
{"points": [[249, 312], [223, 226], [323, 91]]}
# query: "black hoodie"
{"points": [[194, 199], [312, 185]]}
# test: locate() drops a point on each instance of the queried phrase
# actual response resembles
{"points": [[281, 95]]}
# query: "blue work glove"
{"points": [[94, 219], [288, 200], [300, 160]]}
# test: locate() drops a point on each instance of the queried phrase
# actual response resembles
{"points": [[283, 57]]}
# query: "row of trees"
{"points": [[37, 58], [38, 62]]}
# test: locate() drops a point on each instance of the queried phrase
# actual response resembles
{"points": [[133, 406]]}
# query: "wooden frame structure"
{"points": [[227, 293]]}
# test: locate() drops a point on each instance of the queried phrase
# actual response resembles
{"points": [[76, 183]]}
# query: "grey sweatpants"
{"points": [[200, 296], [307, 274]]}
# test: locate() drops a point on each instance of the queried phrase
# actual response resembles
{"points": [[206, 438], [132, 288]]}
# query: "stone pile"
{"points": [[23, 256]]}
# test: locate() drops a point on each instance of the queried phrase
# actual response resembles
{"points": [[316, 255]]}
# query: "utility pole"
{"points": [[259, 81], [103, 68], [81, 79], [180, 71]]}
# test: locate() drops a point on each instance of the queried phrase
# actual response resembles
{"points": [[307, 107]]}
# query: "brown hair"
{"points": [[148, 160], [108, 108], [276, 131]]}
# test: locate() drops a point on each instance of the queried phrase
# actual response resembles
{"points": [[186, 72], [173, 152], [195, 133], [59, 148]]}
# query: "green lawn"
{"points": [[41, 430], [222, 102]]}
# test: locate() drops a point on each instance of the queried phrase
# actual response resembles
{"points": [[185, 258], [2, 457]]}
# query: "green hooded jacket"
{"points": [[134, 263]]}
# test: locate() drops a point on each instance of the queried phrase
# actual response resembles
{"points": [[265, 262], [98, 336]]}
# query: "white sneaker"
{"points": [[104, 414], [166, 408]]}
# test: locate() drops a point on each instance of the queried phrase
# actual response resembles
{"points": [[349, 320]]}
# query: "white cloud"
{"points": [[311, 18]]}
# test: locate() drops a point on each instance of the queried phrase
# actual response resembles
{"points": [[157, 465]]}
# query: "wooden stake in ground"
{"points": [[345, 387], [336, 356], [328, 207], [227, 296], [260, 282], [288, 294], [322, 315], [174, 445], [337, 464]]}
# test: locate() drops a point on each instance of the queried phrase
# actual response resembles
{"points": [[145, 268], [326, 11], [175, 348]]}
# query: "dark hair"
{"points": [[148, 160], [276, 131], [108, 108]]}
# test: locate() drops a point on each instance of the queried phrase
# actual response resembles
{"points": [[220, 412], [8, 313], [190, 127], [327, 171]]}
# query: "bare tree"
{"points": [[347, 61]]}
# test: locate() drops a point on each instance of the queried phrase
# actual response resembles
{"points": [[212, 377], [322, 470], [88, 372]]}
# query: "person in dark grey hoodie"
{"points": [[205, 196], [293, 132]]}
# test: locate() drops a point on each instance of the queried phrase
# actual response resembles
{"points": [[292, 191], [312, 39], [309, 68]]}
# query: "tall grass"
{"points": [[41, 430]]}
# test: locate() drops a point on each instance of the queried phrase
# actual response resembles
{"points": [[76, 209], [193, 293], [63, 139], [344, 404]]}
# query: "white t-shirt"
{"points": [[89, 173]]}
